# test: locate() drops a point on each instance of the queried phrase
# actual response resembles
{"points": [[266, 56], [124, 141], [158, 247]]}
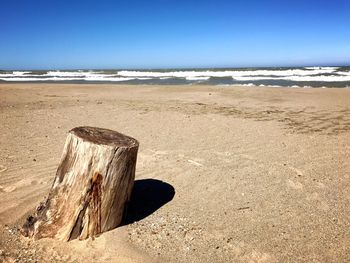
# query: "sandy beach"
{"points": [[224, 174]]}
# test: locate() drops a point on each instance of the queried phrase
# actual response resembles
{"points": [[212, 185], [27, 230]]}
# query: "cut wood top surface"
{"points": [[104, 136]]}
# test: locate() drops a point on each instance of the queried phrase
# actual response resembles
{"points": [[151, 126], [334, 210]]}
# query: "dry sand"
{"points": [[224, 174]]}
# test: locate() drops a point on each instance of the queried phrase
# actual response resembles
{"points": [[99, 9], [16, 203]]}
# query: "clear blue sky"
{"points": [[184, 33]]}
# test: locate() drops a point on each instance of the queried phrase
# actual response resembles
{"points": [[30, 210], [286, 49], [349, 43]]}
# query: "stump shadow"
{"points": [[148, 196]]}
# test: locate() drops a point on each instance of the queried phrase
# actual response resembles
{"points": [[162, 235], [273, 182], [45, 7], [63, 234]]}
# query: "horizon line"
{"points": [[177, 68]]}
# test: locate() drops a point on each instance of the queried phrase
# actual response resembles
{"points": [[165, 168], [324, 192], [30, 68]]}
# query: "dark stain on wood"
{"points": [[95, 203], [92, 200]]}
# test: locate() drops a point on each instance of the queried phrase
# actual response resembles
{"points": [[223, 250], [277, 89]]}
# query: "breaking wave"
{"points": [[314, 76]]}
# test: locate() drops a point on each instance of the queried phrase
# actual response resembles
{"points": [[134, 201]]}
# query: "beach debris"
{"points": [[92, 185], [298, 172], [195, 163], [243, 208]]}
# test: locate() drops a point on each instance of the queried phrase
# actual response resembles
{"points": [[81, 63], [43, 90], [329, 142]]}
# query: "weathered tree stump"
{"points": [[92, 185]]}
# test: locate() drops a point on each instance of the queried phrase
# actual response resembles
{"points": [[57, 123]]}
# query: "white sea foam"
{"points": [[62, 76], [345, 73], [307, 74], [78, 74], [66, 79], [35, 79], [66, 73], [103, 78], [187, 74], [197, 78], [15, 73], [226, 73], [21, 73], [321, 78]]}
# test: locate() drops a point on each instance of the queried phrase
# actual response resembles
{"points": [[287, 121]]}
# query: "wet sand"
{"points": [[224, 174]]}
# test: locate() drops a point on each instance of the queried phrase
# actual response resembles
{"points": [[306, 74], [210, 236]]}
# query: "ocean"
{"points": [[307, 77]]}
